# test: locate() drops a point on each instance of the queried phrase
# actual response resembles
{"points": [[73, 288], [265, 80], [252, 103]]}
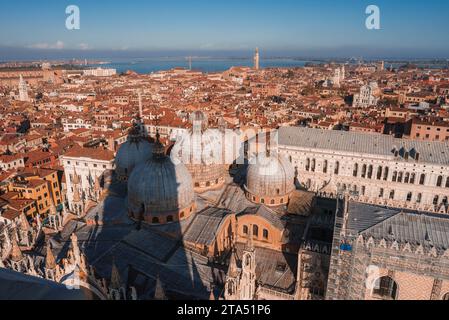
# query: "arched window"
{"points": [[337, 168], [407, 177], [262, 200], [325, 166], [400, 176], [446, 296], [265, 234], [395, 176], [422, 179], [409, 197], [379, 173], [245, 229], [447, 182], [440, 181], [255, 231], [364, 171], [307, 164], [155, 220], [313, 165], [413, 178], [392, 194], [386, 172], [272, 201], [356, 170], [436, 200], [170, 219], [419, 198], [386, 288], [197, 185], [370, 172]]}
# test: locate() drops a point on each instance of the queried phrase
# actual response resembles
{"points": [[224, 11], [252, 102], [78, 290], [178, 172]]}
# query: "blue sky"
{"points": [[286, 27]]}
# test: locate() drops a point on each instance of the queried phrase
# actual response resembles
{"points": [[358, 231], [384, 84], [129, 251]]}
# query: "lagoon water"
{"points": [[203, 64]]}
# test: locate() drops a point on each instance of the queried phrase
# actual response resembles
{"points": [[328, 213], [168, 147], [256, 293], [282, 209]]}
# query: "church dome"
{"points": [[202, 153], [132, 153], [160, 191], [270, 180]]}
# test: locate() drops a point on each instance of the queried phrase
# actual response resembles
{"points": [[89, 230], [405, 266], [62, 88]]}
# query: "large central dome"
{"points": [[160, 191], [270, 180]]}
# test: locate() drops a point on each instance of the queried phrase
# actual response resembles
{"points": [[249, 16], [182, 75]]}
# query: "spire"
{"points": [[250, 244], [159, 292], [116, 281], [24, 224], [76, 195], [233, 269], [140, 105], [16, 253], [212, 295], [158, 149], [50, 261], [76, 179], [97, 185]]}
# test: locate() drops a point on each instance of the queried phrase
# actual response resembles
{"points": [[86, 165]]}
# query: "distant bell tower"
{"points": [[256, 59], [23, 89]]}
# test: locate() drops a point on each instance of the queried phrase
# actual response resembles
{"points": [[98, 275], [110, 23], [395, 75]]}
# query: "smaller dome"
{"points": [[270, 180], [132, 153]]}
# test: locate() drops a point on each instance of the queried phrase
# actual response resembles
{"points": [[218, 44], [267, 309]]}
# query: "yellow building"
{"points": [[41, 185]]}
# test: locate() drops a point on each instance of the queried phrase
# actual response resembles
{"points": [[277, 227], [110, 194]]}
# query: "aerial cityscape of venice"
{"points": [[196, 151]]}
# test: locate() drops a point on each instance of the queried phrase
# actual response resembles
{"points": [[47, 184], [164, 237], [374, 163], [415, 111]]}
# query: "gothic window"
{"points": [[446, 296], [356, 170], [409, 197], [386, 288], [155, 220], [245, 229], [265, 234], [400, 176], [370, 172], [363, 190], [337, 168], [447, 182], [413, 178], [255, 231], [392, 195], [436, 200], [379, 173], [272, 201], [440, 181], [170, 219], [381, 193], [422, 180], [364, 171], [197, 185], [307, 164], [386, 172], [313, 165], [395, 176], [419, 198], [325, 166], [407, 177], [262, 200]]}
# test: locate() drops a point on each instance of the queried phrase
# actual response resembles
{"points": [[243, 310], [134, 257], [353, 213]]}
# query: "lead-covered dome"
{"points": [[270, 180], [201, 151], [134, 151], [160, 191]]}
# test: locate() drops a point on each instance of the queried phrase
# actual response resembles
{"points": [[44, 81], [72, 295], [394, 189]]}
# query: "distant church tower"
{"points": [[23, 90], [257, 60]]}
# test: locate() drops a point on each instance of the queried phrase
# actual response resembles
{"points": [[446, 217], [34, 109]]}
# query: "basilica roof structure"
{"points": [[160, 191], [133, 152], [201, 150], [270, 179]]}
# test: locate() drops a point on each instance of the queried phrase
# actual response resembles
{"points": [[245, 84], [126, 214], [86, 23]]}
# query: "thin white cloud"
{"points": [[59, 45], [84, 46]]}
